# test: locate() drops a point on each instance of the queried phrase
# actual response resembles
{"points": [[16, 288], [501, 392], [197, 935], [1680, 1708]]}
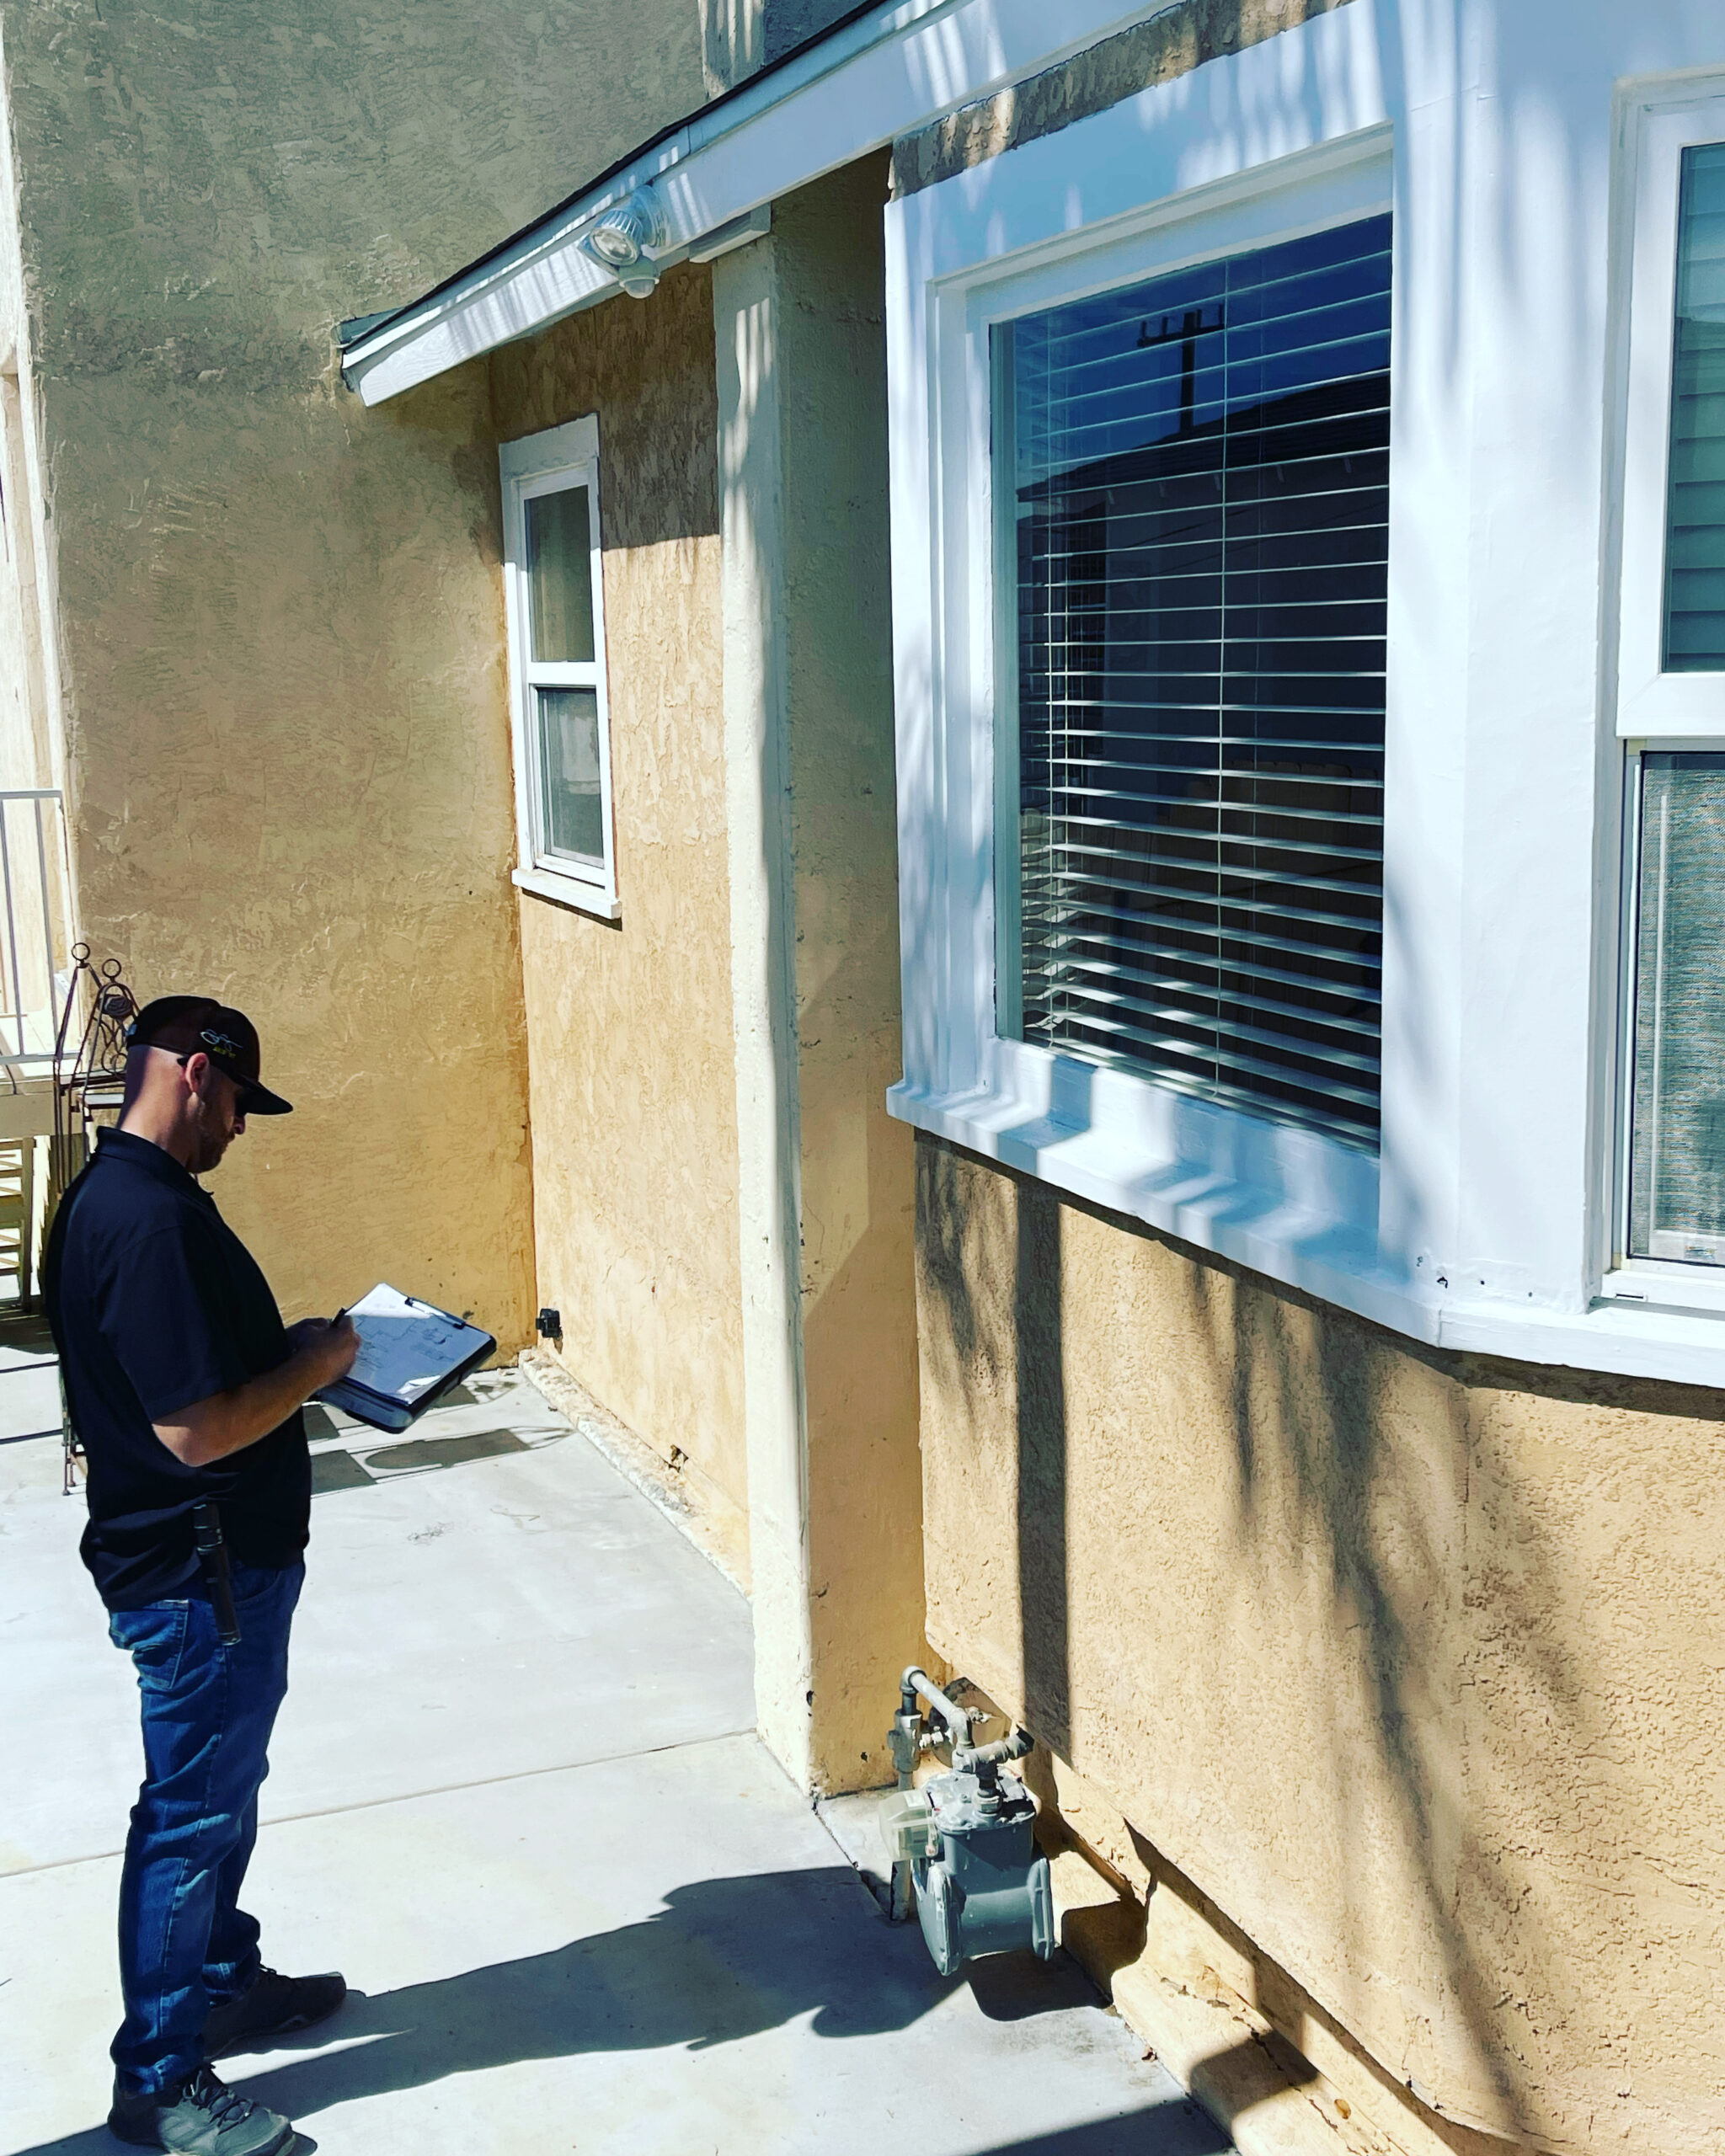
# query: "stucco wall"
{"points": [[629, 1024], [826, 1197], [740, 37], [279, 630], [1412, 1664], [856, 1182]]}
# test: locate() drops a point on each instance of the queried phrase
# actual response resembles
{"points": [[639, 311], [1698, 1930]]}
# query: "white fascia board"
{"points": [[885, 76]]}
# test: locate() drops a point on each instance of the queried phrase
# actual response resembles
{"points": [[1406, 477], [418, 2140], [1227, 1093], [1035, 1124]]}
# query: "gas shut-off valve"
{"points": [[965, 1839]]}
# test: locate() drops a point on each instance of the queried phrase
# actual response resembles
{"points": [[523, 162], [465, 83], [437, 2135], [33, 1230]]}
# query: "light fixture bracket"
{"points": [[622, 236]]}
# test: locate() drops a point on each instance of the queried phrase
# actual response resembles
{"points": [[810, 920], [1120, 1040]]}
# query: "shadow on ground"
{"points": [[724, 1960], [341, 1470], [24, 1329]]}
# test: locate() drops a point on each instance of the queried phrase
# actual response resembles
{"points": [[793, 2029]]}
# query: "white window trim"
{"points": [[538, 464], [1654, 711], [1654, 130], [1659, 1283], [1293, 1202], [1169, 177]]}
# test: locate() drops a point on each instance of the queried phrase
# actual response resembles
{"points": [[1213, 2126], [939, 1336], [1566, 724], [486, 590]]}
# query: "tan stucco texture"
{"points": [[629, 1023], [856, 1179], [1415, 1666], [279, 632]]}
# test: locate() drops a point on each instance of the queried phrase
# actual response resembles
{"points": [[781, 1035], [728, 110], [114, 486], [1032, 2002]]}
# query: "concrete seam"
{"points": [[416, 1795]]}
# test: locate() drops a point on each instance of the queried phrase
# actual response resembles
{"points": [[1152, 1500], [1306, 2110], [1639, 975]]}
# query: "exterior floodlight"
{"points": [[622, 238]]}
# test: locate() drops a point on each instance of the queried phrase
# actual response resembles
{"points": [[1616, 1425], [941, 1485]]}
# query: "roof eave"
{"points": [[878, 75]]}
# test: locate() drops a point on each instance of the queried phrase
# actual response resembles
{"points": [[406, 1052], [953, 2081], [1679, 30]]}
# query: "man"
{"points": [[185, 1390]]}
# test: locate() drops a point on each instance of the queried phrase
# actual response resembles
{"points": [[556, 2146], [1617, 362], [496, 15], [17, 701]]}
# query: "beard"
{"points": [[215, 1136]]}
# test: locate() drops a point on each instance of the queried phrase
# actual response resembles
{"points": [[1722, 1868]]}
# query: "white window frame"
{"points": [[1486, 1223], [1293, 1202], [551, 462], [1655, 711], [1652, 705], [1645, 1280]]}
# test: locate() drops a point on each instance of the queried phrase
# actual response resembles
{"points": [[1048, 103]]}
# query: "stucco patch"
{"points": [[1169, 45]]}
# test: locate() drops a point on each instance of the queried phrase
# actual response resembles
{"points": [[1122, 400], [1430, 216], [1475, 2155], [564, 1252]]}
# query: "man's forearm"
{"points": [[228, 1422]]}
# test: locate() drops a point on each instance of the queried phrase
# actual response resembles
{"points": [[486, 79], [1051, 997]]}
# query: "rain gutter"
{"points": [[882, 74]]}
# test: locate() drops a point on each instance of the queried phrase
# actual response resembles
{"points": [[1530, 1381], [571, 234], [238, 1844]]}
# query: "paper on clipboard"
{"points": [[406, 1346]]}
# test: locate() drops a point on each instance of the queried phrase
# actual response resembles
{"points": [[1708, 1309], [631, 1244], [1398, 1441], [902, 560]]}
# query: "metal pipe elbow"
{"points": [[917, 1683]]}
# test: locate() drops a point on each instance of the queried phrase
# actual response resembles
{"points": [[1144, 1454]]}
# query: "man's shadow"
{"points": [[723, 1960]]}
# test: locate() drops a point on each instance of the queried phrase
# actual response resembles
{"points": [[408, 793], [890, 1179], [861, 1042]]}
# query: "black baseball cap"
{"points": [[198, 1025]]}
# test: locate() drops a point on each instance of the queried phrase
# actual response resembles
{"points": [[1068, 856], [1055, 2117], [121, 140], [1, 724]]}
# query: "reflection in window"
{"points": [[1677, 1147], [571, 804], [1199, 491], [1695, 533], [559, 576]]}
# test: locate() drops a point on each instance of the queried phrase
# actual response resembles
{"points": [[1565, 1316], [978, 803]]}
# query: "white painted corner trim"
{"points": [[883, 76], [1287, 137]]}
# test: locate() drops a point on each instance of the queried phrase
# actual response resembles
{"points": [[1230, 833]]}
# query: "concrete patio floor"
{"points": [[517, 1798]]}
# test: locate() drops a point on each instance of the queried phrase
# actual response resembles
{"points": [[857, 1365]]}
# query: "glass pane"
{"points": [[1677, 1148], [1200, 473], [568, 773], [559, 576], [1695, 529]]}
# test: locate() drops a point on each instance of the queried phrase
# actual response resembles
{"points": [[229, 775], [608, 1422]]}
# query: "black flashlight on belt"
{"points": [[212, 1555]]}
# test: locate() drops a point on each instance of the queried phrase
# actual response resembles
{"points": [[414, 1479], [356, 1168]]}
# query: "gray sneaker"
{"points": [[203, 2117]]}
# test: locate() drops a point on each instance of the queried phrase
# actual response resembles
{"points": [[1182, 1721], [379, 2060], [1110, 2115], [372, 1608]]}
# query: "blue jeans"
{"points": [[185, 1944]]}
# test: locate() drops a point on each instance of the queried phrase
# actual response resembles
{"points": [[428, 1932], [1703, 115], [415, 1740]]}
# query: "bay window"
{"points": [[1276, 552]]}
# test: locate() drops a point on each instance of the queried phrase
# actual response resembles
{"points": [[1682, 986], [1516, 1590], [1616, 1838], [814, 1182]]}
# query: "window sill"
{"points": [[584, 898], [1285, 1204]]}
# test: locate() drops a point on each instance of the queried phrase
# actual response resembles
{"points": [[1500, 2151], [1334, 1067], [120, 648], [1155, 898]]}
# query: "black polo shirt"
{"points": [[156, 1303]]}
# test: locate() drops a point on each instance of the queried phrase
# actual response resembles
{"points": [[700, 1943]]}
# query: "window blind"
{"points": [[1695, 530], [1198, 482], [1677, 1142]]}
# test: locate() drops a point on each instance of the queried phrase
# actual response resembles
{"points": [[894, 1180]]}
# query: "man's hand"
{"points": [[336, 1338], [320, 1350]]}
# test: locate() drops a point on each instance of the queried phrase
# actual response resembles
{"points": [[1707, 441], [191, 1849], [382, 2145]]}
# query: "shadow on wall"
{"points": [[1343, 1442]]}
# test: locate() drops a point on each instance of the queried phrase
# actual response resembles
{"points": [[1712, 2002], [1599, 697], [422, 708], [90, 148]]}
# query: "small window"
{"points": [[1192, 564], [557, 659], [1677, 1133]]}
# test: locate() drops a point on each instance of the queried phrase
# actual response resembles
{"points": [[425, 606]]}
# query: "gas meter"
{"points": [[966, 1841]]}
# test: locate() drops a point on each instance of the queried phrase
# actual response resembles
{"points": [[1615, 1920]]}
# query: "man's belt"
{"points": [[212, 1555]]}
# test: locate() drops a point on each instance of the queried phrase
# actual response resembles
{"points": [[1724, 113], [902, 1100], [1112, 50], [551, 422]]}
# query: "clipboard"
{"points": [[411, 1353]]}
